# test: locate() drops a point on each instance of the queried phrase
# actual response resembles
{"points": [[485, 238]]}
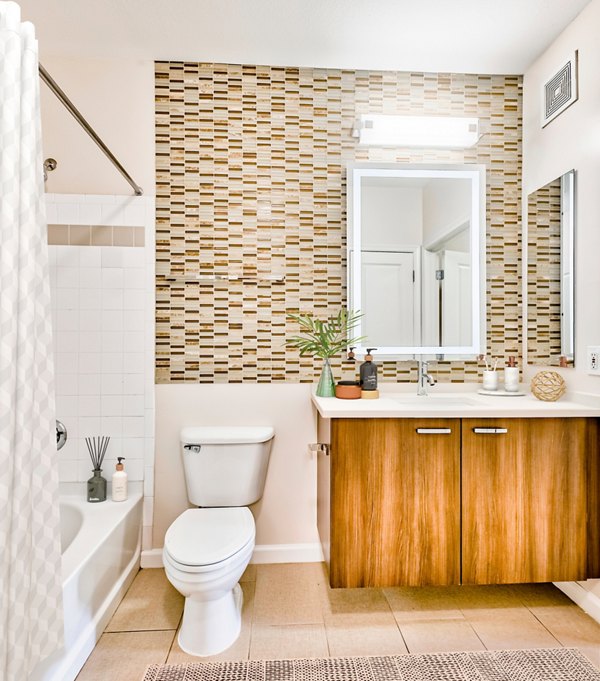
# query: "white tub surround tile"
{"points": [[104, 336]]}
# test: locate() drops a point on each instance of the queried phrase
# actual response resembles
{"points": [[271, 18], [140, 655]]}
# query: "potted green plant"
{"points": [[325, 339]]}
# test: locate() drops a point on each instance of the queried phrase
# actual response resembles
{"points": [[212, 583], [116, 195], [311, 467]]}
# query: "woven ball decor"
{"points": [[548, 386]]}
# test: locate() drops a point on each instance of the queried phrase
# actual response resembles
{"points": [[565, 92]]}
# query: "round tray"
{"points": [[501, 393]]}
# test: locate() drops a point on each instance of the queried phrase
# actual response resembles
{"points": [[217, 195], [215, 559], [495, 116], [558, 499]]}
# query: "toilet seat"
{"points": [[203, 537]]}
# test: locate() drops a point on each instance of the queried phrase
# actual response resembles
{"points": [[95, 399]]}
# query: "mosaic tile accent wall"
{"points": [[543, 275], [251, 187]]}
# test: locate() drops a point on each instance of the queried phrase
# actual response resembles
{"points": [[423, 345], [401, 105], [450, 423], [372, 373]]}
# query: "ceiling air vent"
{"points": [[560, 91]]}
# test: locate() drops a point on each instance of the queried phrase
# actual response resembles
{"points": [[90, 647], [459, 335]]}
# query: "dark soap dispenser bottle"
{"points": [[368, 377]]}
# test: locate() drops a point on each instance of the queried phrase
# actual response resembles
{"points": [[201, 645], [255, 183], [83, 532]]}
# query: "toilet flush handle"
{"points": [[192, 448]]}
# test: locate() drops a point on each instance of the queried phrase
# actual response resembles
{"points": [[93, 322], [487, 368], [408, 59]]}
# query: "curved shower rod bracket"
{"points": [[72, 109]]}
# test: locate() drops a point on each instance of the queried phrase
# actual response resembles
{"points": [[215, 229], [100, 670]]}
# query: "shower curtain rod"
{"points": [[68, 104]]}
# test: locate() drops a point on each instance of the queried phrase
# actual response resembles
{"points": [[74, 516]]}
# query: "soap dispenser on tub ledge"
{"points": [[368, 377], [119, 481]]}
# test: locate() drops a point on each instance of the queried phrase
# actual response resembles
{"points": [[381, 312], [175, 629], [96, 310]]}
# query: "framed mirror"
{"points": [[416, 258], [550, 273]]}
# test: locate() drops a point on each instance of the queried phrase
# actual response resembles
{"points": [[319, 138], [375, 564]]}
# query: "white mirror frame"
{"points": [[568, 201], [473, 172], [568, 227]]}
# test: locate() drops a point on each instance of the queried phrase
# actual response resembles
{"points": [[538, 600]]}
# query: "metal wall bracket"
{"points": [[319, 448], [61, 434]]}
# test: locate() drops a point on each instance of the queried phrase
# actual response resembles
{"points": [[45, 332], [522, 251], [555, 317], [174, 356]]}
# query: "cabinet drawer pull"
{"points": [[434, 431], [490, 431]]}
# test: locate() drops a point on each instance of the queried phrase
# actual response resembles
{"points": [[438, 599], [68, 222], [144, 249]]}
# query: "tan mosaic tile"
{"points": [[543, 275], [251, 184], [95, 235]]}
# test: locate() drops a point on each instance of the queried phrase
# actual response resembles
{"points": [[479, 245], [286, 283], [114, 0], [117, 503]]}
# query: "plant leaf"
{"points": [[325, 338]]}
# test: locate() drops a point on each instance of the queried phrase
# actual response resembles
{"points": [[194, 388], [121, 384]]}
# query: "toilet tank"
{"points": [[226, 465]]}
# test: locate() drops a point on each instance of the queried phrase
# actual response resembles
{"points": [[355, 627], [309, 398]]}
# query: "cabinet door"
{"points": [[395, 502], [524, 499]]}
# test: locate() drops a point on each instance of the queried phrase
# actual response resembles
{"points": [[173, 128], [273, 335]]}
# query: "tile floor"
{"points": [[290, 611]]}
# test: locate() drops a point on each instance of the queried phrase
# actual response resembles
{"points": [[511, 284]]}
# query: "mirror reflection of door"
{"points": [[456, 298], [430, 283], [447, 287], [388, 283]]}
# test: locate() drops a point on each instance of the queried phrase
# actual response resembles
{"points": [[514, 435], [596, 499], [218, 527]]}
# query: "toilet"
{"points": [[207, 549]]}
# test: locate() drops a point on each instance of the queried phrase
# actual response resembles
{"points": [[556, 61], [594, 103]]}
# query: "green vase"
{"points": [[326, 387]]}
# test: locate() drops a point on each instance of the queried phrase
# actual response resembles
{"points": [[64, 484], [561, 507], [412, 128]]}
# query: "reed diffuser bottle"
{"points": [[96, 485]]}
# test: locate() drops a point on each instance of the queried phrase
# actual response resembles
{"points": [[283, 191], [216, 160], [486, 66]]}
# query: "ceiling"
{"points": [[470, 36]]}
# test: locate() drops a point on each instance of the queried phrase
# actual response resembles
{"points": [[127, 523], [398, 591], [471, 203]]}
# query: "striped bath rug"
{"points": [[555, 664]]}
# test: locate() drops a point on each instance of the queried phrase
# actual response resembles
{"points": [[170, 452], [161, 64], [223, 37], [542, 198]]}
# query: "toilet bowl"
{"points": [[206, 552], [207, 549]]}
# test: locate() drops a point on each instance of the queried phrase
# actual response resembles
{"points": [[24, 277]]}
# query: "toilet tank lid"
{"points": [[224, 435]]}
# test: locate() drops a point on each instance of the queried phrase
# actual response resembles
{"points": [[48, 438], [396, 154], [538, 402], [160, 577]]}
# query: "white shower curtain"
{"points": [[30, 576]]}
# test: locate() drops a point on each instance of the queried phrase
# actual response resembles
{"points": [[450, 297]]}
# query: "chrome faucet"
{"points": [[425, 379]]}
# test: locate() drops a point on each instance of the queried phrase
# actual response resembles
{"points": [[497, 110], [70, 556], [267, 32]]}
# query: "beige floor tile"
{"points": [[532, 595], [238, 651], [321, 573], [510, 628], [151, 603], [288, 594], [354, 602], [569, 624], [290, 611], [373, 638], [124, 656], [249, 574], [471, 597], [360, 622], [448, 602], [440, 636], [287, 642], [592, 653], [424, 603]]}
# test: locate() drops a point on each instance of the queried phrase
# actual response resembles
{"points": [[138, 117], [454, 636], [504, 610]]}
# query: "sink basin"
{"points": [[433, 400]]}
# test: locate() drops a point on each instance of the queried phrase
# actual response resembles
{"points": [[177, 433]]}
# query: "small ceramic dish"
{"points": [[347, 390]]}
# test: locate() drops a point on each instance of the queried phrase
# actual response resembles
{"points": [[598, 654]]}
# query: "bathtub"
{"points": [[100, 557]]}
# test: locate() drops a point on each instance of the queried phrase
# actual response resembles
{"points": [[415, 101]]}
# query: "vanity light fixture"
{"points": [[448, 132]]}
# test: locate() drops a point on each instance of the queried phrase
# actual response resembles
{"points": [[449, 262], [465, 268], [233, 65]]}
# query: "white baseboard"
{"points": [[287, 553], [263, 553], [152, 558], [586, 600]]}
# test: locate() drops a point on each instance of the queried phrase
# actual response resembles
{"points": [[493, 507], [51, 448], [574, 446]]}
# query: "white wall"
{"points": [[287, 513], [392, 217], [117, 99], [446, 206], [572, 140]]}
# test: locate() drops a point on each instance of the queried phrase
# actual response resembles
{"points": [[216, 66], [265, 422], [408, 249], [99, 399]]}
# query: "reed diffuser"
{"points": [[96, 485]]}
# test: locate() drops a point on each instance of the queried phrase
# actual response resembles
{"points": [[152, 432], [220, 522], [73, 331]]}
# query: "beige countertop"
{"points": [[453, 401]]}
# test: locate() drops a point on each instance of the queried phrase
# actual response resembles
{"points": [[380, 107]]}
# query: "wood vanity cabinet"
{"points": [[410, 502], [395, 502], [530, 502]]}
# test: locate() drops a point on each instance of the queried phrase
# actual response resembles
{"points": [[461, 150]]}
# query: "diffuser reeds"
{"points": [[97, 448]]}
